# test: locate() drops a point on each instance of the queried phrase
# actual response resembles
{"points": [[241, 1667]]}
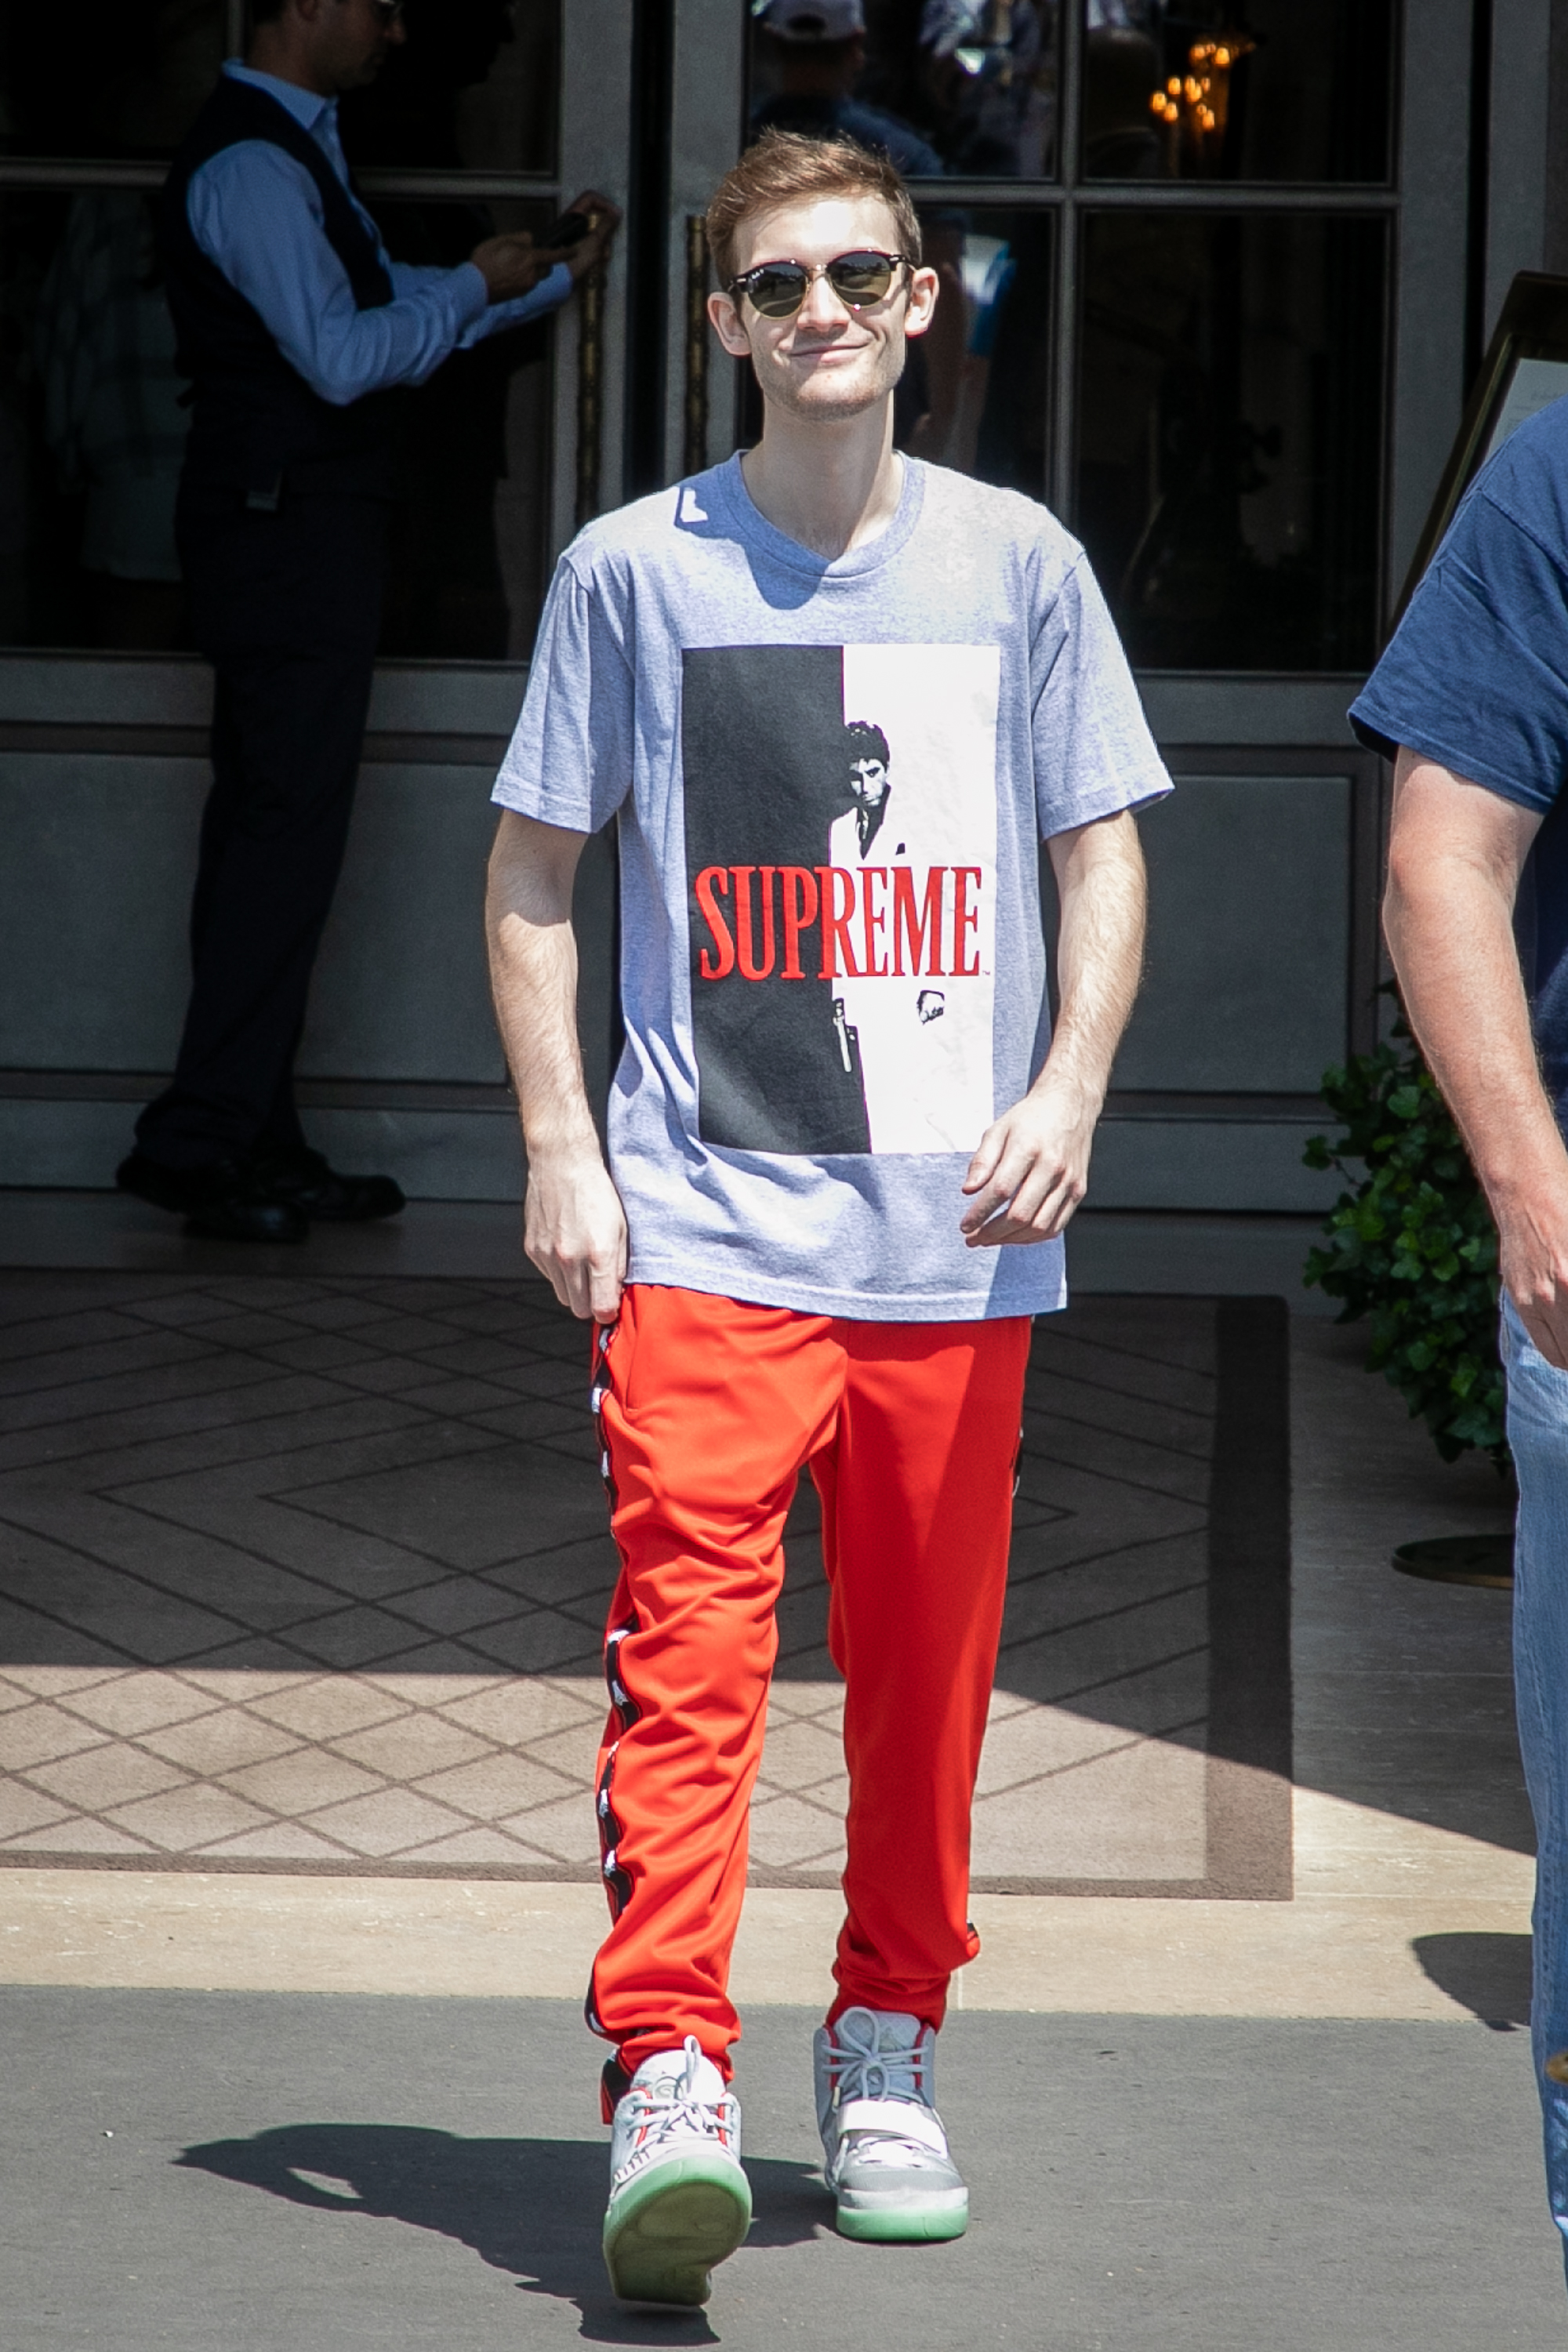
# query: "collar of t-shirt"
{"points": [[727, 488]]}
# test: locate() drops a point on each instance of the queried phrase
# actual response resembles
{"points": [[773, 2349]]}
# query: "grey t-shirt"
{"points": [[831, 778]]}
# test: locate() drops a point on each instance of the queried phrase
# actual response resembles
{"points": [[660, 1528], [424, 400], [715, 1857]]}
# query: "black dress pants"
{"points": [[287, 607]]}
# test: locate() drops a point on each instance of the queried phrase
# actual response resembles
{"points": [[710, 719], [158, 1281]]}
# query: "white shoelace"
{"points": [[864, 2069], [861, 2066], [672, 2108], [684, 2110]]}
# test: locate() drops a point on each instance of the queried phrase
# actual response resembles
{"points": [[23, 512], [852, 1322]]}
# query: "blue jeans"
{"points": [[1538, 1432]]}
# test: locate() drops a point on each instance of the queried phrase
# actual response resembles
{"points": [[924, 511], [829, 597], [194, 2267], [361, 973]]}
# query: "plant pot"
{"points": [[1460, 1559]]}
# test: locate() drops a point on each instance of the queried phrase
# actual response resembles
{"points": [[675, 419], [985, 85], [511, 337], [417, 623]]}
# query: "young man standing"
{"points": [[800, 1260]]}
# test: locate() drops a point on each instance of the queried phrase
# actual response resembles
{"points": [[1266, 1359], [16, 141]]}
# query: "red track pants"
{"points": [[708, 1410]]}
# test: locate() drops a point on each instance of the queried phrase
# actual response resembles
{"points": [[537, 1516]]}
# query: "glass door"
{"points": [[492, 115], [487, 119], [1168, 235], [1162, 228]]}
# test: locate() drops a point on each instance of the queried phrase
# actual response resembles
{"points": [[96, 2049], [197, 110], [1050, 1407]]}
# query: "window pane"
{"points": [[91, 430], [955, 86], [109, 77], [92, 435], [1237, 90], [984, 373], [472, 522], [1229, 435], [473, 85], [472, 88]]}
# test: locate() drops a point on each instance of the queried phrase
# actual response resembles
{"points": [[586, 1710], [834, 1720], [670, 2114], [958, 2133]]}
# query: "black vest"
{"points": [[257, 426]]}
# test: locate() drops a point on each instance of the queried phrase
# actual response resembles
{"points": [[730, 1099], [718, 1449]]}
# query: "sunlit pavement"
{"points": [[357, 2109]]}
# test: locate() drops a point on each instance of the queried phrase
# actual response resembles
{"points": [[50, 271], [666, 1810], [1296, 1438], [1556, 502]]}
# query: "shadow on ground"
{"points": [[529, 2206], [1489, 1974]]}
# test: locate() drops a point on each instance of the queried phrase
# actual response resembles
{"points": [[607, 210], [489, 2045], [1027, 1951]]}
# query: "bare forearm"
{"points": [[533, 976], [1455, 855], [575, 1229], [1450, 933], [1100, 954]]}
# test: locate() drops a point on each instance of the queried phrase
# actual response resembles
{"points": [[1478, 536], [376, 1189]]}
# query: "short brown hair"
{"points": [[785, 168]]}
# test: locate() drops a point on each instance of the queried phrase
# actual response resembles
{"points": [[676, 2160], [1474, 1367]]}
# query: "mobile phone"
{"points": [[567, 232]]}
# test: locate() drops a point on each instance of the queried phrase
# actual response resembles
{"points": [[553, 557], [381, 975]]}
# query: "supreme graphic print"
{"points": [[841, 868]]}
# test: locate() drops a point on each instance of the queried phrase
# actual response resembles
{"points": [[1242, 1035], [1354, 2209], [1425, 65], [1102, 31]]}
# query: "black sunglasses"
{"points": [[777, 288], [386, 13]]}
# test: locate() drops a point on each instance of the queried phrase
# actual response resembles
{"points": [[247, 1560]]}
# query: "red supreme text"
{"points": [[829, 922]]}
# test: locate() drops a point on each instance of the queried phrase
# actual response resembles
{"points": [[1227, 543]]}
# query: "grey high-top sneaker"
{"points": [[884, 2148], [679, 2200]]}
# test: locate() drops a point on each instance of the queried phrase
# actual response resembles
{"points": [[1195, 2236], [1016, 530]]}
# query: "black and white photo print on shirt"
{"points": [[840, 811]]}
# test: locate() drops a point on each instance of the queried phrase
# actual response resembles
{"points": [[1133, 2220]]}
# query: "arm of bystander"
{"points": [[1456, 855]]}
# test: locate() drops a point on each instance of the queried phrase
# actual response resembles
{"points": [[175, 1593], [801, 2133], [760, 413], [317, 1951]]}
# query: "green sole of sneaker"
{"points": [[893, 2229], [661, 2243]]}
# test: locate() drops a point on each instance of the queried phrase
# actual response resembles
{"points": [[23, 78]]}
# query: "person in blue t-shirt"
{"points": [[1471, 702]]}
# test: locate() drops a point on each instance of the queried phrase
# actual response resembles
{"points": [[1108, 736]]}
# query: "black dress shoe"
{"points": [[323, 1195], [226, 1202]]}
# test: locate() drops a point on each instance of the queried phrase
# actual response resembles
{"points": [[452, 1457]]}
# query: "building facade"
{"points": [[1216, 273]]}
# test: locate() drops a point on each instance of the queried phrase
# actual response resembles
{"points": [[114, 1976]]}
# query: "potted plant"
{"points": [[1410, 1246]]}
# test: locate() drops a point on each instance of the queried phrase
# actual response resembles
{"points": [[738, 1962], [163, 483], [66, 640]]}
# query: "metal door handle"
{"points": [[590, 391], [694, 417]]}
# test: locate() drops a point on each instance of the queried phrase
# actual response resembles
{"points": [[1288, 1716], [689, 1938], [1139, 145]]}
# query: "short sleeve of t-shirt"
{"points": [[1093, 754], [1477, 674], [569, 759]]}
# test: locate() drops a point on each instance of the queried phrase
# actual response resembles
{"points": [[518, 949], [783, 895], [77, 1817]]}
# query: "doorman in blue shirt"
{"points": [[296, 329]]}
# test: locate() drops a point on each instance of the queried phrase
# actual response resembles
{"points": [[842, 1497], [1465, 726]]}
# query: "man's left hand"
{"points": [[1031, 1170], [590, 250]]}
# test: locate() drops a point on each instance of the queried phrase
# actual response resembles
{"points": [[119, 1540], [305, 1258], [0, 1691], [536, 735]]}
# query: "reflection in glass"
{"points": [[110, 77], [1230, 413], [92, 436], [472, 88], [91, 429], [1237, 90], [472, 522], [962, 86], [976, 392]]}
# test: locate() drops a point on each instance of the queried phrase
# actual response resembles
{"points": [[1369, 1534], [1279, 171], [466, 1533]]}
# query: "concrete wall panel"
{"points": [[401, 988], [1248, 937], [1213, 1165], [95, 887]]}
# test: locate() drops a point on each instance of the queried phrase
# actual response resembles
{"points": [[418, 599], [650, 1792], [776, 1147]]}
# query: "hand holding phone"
{"points": [[582, 234]]}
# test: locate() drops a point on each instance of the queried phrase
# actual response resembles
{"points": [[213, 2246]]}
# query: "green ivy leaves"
{"points": [[1410, 1246]]}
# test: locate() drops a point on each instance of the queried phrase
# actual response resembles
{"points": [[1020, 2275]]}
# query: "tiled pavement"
{"points": [[309, 1574]]}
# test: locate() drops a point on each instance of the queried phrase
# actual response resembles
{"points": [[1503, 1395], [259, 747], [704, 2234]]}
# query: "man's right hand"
{"points": [[511, 264], [590, 250], [1532, 1260], [575, 1232]]}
